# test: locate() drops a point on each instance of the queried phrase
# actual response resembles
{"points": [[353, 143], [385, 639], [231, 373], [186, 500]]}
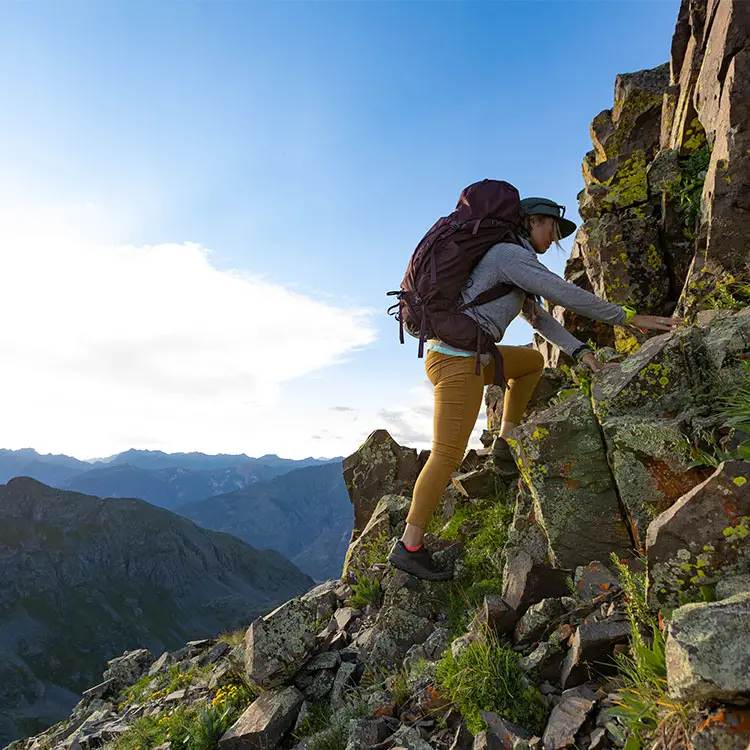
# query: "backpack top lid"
{"points": [[489, 198]]}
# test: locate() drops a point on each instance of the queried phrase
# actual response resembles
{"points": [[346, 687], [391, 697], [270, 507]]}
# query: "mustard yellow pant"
{"points": [[458, 398]]}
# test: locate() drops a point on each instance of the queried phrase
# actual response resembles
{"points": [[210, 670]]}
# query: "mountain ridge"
{"points": [[88, 578]]}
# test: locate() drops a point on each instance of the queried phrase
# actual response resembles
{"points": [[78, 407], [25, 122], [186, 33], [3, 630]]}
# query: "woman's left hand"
{"points": [[594, 364]]}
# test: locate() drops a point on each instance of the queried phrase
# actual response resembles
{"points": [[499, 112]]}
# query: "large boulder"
{"points": [[264, 722], [663, 379], [708, 651], [277, 645], [565, 466], [372, 545], [702, 538], [380, 466], [651, 466]]}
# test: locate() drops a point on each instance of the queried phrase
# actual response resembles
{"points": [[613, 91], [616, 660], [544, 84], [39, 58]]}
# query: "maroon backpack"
{"points": [[429, 301]]}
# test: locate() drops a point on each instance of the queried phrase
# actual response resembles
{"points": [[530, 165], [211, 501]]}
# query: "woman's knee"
{"points": [[537, 360]]}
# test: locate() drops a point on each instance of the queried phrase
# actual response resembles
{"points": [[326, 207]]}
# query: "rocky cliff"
{"points": [[603, 599]]}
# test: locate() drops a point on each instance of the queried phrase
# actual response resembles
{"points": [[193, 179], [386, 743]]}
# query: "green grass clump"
{"points": [[688, 188], [644, 711], [318, 718], [487, 676], [234, 638], [366, 590], [481, 572]]}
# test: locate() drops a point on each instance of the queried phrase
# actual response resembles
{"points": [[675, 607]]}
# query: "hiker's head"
{"points": [[543, 222]]}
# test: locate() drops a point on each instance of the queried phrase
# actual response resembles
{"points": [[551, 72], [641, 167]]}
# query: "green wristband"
{"points": [[630, 313]]}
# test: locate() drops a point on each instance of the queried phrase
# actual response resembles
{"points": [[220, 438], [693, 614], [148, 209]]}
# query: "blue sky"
{"points": [[175, 176]]}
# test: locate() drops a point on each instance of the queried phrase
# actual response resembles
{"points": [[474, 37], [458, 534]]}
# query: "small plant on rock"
{"points": [[367, 590], [645, 713]]}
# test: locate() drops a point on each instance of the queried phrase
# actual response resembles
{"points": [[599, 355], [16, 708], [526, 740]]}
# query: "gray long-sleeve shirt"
{"points": [[519, 265]]}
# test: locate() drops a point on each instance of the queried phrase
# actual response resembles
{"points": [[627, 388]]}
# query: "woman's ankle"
{"points": [[412, 536]]}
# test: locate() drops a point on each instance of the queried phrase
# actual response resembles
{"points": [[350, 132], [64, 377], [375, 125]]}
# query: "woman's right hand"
{"points": [[655, 322]]}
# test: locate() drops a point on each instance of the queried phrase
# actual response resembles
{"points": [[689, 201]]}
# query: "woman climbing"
{"points": [[453, 372]]}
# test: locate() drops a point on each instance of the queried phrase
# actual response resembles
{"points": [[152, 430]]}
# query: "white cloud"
{"points": [[411, 424], [106, 347]]}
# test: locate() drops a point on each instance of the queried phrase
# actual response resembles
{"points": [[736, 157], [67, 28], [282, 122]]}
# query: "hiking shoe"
{"points": [[419, 564], [503, 459]]}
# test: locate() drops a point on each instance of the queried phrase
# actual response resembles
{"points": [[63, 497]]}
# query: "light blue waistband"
{"points": [[443, 349]]}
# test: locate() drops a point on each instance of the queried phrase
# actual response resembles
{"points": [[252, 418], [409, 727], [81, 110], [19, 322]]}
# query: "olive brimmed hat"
{"points": [[547, 207]]}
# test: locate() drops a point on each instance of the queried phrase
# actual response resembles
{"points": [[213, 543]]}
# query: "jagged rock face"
{"points": [[638, 243], [386, 521], [565, 465], [701, 538], [379, 467], [85, 578]]}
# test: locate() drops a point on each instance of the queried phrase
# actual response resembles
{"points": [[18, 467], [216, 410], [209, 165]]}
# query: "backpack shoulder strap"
{"points": [[488, 295]]}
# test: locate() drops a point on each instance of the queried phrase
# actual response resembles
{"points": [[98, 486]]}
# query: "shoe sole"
{"points": [[437, 577]]}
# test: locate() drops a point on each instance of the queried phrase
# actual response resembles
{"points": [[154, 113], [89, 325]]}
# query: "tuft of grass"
{"points": [[644, 709], [688, 188], [332, 730], [367, 590], [487, 676], [318, 718], [235, 638], [645, 713], [480, 572], [736, 406]]}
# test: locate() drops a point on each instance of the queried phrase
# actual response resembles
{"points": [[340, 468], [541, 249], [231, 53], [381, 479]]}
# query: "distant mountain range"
{"points": [[84, 579], [163, 479], [298, 508], [305, 514]]}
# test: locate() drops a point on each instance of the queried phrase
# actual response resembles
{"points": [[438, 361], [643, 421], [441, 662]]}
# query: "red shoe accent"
{"points": [[413, 549]]}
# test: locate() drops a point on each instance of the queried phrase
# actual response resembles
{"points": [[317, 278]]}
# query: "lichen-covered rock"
{"points": [[495, 614], [373, 543], [537, 620], [567, 718], [405, 627], [593, 580], [565, 465], [409, 738], [725, 729], [380, 466], [702, 538], [593, 644], [129, 667], [263, 724], [663, 170], [429, 651], [277, 645], [708, 651], [345, 677], [506, 731], [737, 584], [480, 483], [526, 582], [661, 380], [545, 661], [714, 79], [405, 592], [651, 465], [622, 252]]}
